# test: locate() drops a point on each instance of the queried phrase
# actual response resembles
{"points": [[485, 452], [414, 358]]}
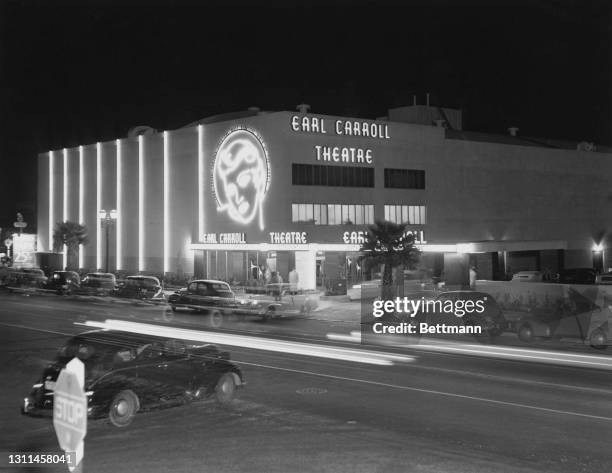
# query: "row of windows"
{"points": [[411, 214], [342, 214], [340, 176], [404, 179], [333, 214], [351, 176]]}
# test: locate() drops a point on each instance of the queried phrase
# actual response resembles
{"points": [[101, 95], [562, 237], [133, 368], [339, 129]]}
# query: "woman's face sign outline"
{"points": [[240, 176]]}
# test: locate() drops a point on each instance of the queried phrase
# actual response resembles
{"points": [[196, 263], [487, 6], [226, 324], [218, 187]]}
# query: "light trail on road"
{"points": [[268, 344], [489, 351]]}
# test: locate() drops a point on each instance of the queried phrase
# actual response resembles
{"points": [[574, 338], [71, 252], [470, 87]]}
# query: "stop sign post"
{"points": [[70, 409]]}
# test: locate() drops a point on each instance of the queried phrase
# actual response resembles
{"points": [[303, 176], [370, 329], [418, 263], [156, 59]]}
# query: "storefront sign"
{"points": [[224, 238], [24, 250], [341, 154], [359, 238], [299, 238], [310, 124]]}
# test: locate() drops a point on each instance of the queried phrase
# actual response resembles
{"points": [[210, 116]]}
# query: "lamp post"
{"points": [[107, 219]]}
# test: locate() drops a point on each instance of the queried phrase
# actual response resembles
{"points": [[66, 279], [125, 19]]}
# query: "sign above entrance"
{"points": [[224, 238], [360, 237]]}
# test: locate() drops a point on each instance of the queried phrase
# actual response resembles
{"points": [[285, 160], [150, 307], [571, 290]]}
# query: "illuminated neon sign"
{"points": [[360, 237], [241, 176]]}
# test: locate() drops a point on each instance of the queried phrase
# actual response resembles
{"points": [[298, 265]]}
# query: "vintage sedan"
{"points": [[217, 300], [127, 372], [467, 308], [141, 287]]}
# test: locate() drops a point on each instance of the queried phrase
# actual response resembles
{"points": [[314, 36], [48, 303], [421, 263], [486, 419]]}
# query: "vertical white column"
{"points": [[81, 201], [200, 182], [141, 266], [98, 205], [65, 203], [119, 223], [166, 204], [51, 198]]}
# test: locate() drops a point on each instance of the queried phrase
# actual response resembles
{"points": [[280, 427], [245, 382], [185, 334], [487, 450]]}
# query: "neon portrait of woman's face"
{"points": [[241, 177]]}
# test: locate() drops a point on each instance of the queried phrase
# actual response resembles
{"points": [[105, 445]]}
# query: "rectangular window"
{"points": [[294, 213], [408, 214], [369, 215], [334, 214], [309, 214], [359, 214], [323, 175], [317, 214], [404, 178]]}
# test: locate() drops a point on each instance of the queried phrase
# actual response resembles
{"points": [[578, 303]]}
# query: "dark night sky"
{"points": [[83, 71]]}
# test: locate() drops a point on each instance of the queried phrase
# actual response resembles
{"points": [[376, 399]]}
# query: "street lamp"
{"points": [[107, 219]]}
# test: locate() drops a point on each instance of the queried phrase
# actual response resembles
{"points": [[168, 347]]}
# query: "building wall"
{"points": [[474, 191]]}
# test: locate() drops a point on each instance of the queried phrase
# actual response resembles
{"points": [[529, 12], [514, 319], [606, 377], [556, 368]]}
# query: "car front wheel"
{"points": [[525, 333], [123, 408], [225, 389], [599, 339], [215, 319]]}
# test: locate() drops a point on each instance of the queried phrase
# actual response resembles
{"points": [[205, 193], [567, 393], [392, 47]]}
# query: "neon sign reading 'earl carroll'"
{"points": [[340, 127]]}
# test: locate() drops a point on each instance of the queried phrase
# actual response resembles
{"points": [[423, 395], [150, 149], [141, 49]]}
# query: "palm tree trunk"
{"points": [[387, 291]]}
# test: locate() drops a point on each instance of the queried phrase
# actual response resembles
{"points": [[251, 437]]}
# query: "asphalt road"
{"points": [[439, 412]]}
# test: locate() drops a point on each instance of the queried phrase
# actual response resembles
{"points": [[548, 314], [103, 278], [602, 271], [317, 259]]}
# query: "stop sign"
{"points": [[70, 406]]}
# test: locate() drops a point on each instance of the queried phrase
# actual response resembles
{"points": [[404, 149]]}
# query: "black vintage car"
{"points": [[63, 282], [217, 299], [451, 308], [141, 287], [127, 372]]}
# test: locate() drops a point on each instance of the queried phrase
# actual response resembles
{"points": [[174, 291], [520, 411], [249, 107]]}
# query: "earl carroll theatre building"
{"points": [[232, 195]]}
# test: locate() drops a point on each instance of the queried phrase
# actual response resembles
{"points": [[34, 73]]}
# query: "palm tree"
{"points": [[388, 244], [71, 234]]}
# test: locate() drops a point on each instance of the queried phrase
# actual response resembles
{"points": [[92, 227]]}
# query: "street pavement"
{"points": [[441, 412]]}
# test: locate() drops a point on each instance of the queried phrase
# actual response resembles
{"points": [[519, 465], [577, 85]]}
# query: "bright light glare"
{"points": [[140, 203], [98, 205], [166, 206], [267, 344], [118, 237], [51, 195]]}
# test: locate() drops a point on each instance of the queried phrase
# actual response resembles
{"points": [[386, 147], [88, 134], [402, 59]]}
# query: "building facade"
{"points": [[233, 196]]}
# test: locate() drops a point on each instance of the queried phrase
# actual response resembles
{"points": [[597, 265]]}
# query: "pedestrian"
{"points": [[294, 279], [277, 285], [473, 275]]}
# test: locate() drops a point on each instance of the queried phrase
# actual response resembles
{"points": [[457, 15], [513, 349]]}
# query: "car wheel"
{"points": [[599, 339], [123, 408], [525, 333], [215, 319], [225, 390], [269, 314], [490, 329]]}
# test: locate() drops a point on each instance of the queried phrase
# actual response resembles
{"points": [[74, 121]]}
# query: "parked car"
{"points": [[63, 282], [217, 300], [127, 372], [141, 287], [584, 316], [26, 277], [99, 283], [578, 276], [490, 319]]}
